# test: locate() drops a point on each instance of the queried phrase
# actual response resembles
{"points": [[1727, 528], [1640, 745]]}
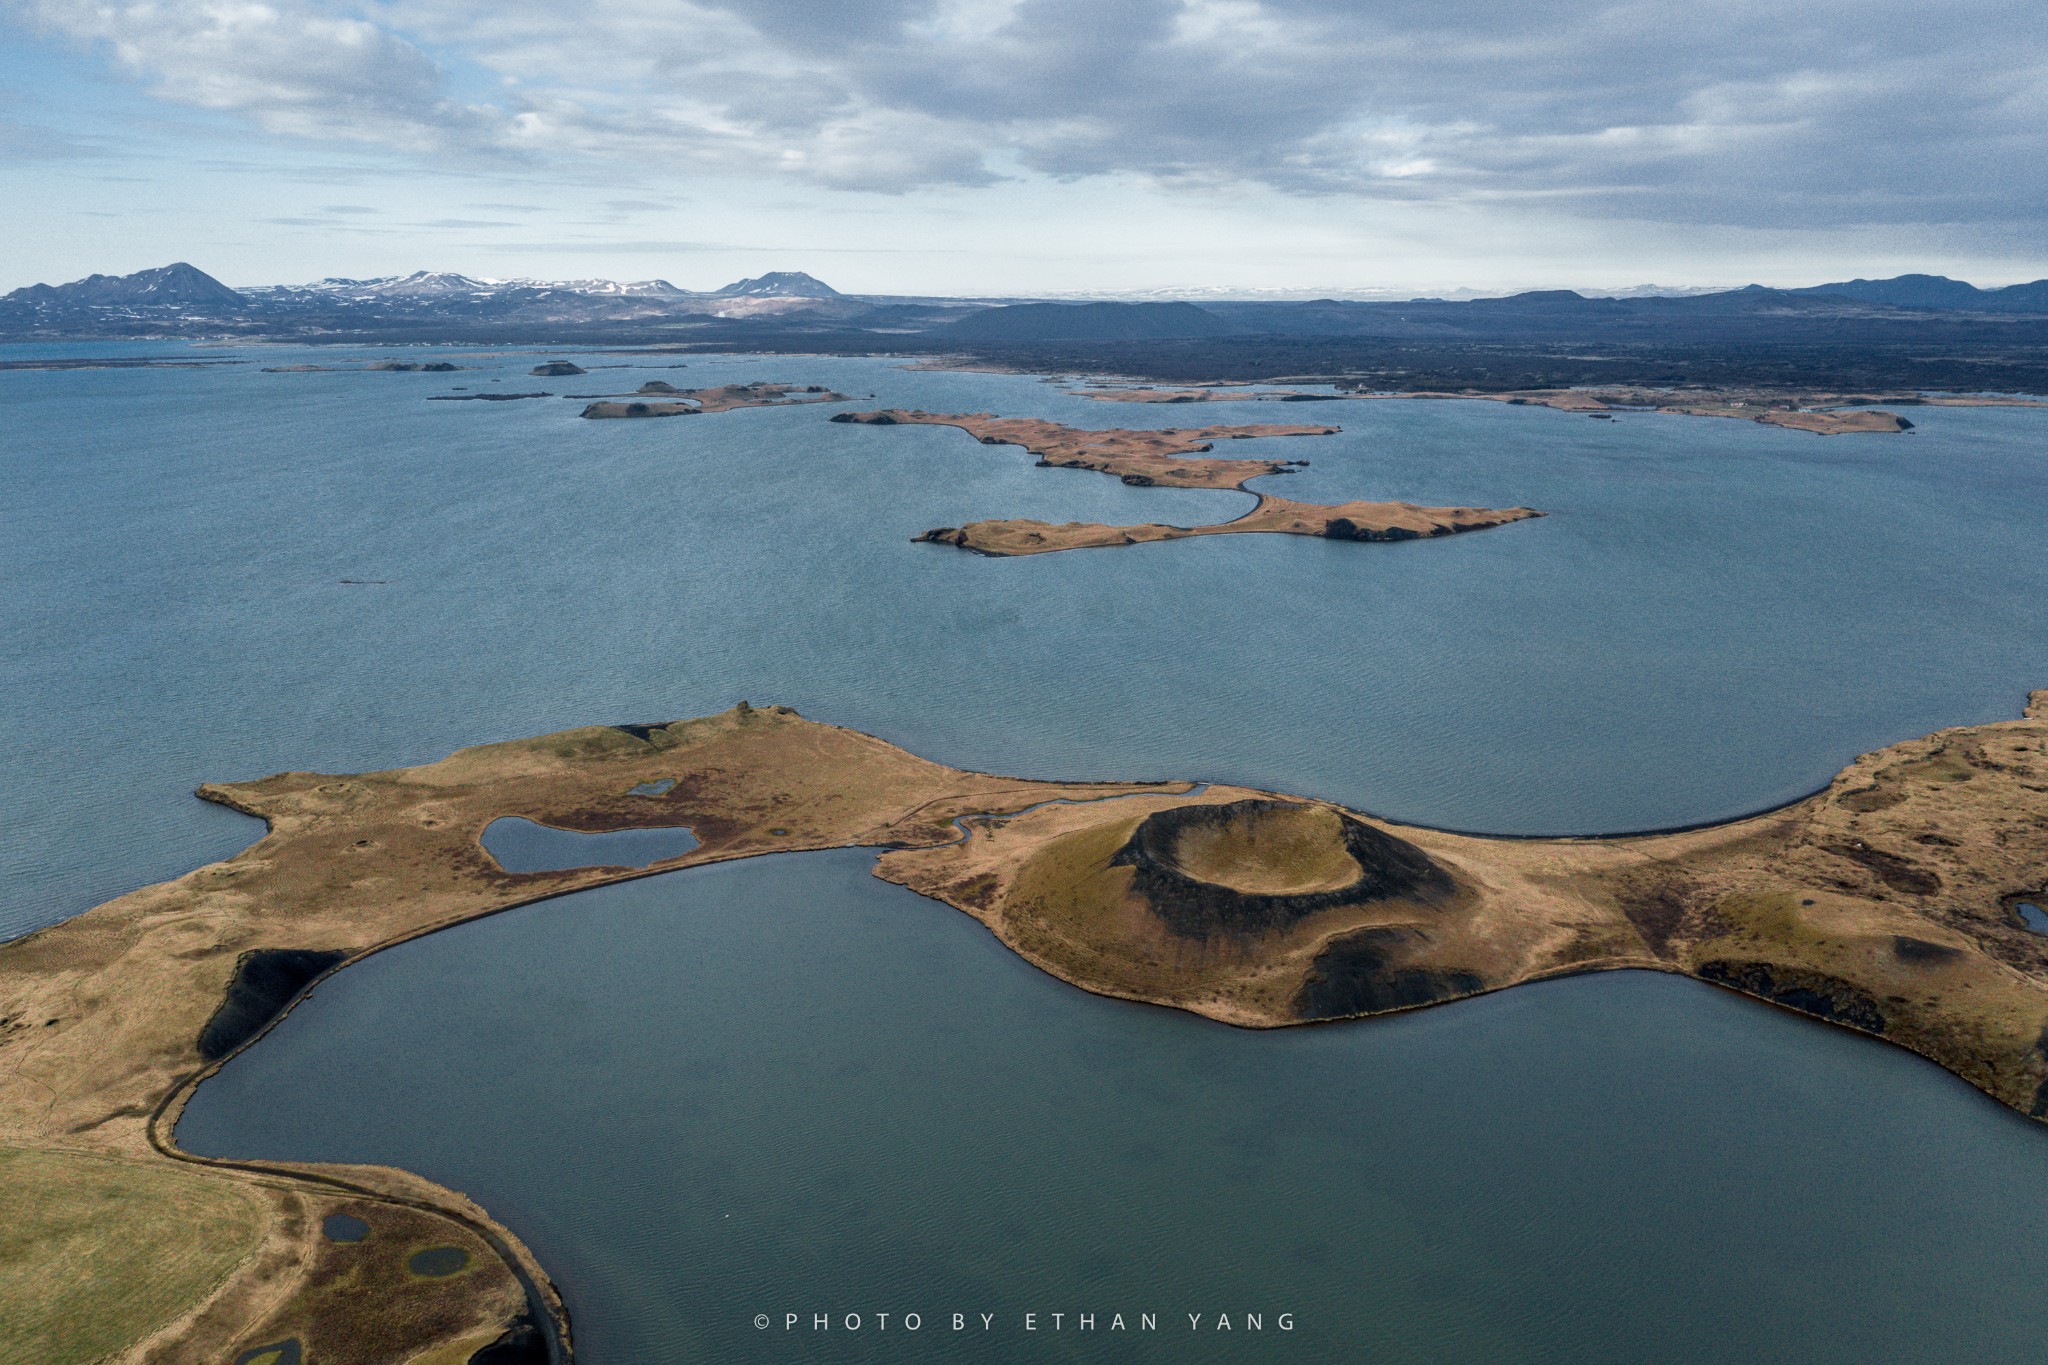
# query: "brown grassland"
{"points": [[1883, 904], [1148, 458]]}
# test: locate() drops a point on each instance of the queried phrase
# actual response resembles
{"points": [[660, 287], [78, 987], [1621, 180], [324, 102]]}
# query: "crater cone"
{"points": [[1267, 849], [1250, 868]]}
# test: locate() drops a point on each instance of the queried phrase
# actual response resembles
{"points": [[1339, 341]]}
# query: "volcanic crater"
{"points": [[1253, 867]]}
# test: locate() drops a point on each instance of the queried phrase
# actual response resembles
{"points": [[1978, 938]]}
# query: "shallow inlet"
{"points": [[523, 846], [782, 1086]]}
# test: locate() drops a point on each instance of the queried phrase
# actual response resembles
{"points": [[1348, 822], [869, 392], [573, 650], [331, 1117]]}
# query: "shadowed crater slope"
{"points": [[1369, 971], [265, 981], [1252, 867]]}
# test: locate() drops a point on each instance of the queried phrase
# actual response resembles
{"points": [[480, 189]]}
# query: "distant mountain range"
{"points": [[1939, 291], [167, 286], [180, 299], [1095, 321]]}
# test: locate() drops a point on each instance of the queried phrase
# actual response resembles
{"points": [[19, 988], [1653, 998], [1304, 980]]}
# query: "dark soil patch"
{"points": [[265, 981], [1900, 874], [1363, 973]]}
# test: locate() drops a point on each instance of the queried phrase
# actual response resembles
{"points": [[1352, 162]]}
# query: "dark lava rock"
{"points": [[1809, 992], [1390, 869], [1362, 973], [1344, 528]]}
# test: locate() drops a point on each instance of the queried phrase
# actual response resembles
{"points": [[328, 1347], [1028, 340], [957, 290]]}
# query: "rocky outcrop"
{"points": [[610, 410], [1809, 992], [484, 397]]}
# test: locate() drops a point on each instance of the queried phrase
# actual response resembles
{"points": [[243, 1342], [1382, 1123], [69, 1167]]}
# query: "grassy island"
{"points": [[660, 399], [1146, 458], [1885, 903]]}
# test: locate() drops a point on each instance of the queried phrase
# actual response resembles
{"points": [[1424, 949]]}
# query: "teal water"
{"points": [[781, 1086], [522, 846], [1715, 617], [216, 575]]}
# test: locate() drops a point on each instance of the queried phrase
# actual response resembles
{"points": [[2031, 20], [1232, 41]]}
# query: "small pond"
{"points": [[524, 846]]}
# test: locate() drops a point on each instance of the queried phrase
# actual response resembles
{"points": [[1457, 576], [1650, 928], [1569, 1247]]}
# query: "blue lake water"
{"points": [[782, 1086], [1715, 616], [220, 574], [522, 846]]}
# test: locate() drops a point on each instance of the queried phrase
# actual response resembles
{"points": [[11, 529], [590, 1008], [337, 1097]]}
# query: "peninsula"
{"points": [[1151, 458], [1887, 903]]}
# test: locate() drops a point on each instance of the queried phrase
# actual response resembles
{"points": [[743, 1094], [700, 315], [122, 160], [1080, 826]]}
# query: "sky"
{"points": [[1030, 147]]}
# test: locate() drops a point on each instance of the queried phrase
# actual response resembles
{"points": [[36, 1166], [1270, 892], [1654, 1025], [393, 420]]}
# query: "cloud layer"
{"points": [[1806, 113]]}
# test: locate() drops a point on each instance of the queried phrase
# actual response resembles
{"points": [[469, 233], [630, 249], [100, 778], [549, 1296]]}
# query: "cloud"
{"points": [[294, 68], [1737, 112]]}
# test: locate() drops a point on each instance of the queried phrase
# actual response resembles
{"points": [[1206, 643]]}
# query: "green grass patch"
{"points": [[96, 1253]]}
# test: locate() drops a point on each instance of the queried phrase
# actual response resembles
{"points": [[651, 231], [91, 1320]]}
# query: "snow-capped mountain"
{"points": [[780, 284], [441, 284], [178, 286]]}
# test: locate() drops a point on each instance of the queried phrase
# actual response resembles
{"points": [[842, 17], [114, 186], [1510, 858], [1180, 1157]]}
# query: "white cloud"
{"points": [[294, 68], [1728, 111]]}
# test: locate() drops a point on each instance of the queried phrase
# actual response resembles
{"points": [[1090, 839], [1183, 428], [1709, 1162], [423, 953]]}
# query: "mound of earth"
{"points": [[1248, 868]]}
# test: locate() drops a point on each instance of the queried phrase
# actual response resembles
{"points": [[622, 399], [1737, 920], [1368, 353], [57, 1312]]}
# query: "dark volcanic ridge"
{"points": [[1912, 332]]}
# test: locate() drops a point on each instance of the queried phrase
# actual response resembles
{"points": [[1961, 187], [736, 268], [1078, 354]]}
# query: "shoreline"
{"points": [[994, 847], [1173, 457]]}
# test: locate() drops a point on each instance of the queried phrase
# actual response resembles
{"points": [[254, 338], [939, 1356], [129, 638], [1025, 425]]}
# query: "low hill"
{"points": [[1938, 291], [1087, 322]]}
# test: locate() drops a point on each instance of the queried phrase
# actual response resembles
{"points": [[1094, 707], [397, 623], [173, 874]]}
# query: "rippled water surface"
{"points": [[783, 1087], [219, 574]]}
